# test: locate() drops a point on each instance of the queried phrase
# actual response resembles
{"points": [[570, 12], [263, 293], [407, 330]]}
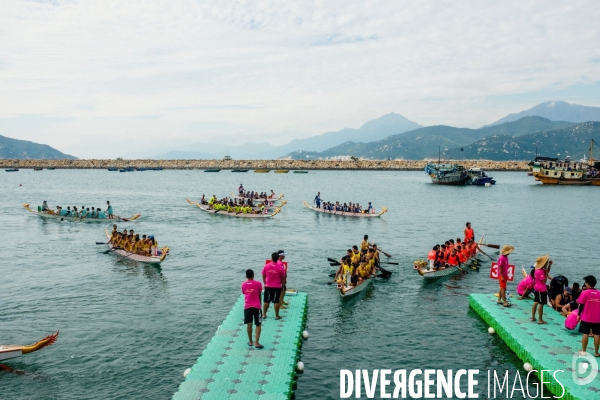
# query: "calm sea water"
{"points": [[129, 330]]}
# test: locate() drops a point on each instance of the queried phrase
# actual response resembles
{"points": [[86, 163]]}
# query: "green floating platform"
{"points": [[545, 347], [229, 369]]}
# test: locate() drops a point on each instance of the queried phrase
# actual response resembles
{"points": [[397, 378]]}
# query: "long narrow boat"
{"points": [[428, 272], [8, 351], [12, 170], [240, 170], [262, 171], [138, 257], [347, 291], [300, 172], [259, 200], [282, 171], [205, 208], [212, 170], [346, 213], [62, 217]]}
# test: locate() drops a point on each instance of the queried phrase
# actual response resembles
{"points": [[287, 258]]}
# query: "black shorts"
{"points": [[272, 295], [253, 313], [586, 327], [540, 297]]}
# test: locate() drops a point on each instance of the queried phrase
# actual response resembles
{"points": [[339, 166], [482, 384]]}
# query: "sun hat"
{"points": [[541, 261], [506, 250]]}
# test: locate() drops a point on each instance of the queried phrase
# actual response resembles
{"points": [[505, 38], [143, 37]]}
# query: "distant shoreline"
{"points": [[366, 165]]}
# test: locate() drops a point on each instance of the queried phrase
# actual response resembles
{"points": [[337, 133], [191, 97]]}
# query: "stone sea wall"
{"points": [[399, 165]]}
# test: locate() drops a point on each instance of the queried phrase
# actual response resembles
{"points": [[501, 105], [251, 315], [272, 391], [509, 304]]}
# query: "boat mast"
{"points": [[439, 153]]}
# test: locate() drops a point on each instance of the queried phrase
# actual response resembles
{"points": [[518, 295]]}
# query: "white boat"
{"points": [[348, 290], [8, 351], [259, 199], [266, 214], [85, 219], [346, 213], [428, 272], [138, 257]]}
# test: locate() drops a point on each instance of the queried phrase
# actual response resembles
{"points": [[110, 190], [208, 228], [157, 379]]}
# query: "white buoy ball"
{"points": [[305, 334], [527, 367], [300, 366], [491, 330], [186, 372]]}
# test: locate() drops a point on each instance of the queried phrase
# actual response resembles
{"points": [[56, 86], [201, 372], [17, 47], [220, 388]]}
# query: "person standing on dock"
{"points": [[589, 314], [281, 264], [252, 307], [274, 279], [317, 200], [502, 272], [541, 273]]}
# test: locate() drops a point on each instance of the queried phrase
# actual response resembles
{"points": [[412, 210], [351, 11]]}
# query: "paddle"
{"points": [[331, 260], [485, 254], [390, 262], [102, 242], [493, 246], [385, 254]]}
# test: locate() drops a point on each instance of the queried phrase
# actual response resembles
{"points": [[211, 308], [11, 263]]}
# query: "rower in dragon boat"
{"points": [[132, 243], [354, 208], [74, 212]]}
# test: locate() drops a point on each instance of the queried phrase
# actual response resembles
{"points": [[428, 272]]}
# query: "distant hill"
{"points": [[389, 124], [421, 143], [573, 141], [556, 111], [23, 149]]}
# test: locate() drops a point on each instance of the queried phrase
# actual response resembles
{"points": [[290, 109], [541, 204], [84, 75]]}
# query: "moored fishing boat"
{"points": [[111, 169], [84, 219], [262, 171], [12, 170], [38, 169], [8, 351], [212, 170], [348, 290], [552, 171], [154, 259], [282, 171], [477, 177], [240, 170], [347, 213], [301, 172], [447, 174], [266, 214]]}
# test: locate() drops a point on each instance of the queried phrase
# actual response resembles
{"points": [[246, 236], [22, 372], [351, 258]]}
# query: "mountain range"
{"points": [[423, 142], [24, 149], [556, 111]]}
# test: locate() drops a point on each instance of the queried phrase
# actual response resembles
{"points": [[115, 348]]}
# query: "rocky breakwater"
{"points": [[398, 165]]}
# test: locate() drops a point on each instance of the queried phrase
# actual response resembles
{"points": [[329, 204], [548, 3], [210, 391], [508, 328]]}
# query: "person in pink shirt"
{"points": [[280, 262], [503, 274], [540, 292], [252, 307], [589, 313], [273, 278]]}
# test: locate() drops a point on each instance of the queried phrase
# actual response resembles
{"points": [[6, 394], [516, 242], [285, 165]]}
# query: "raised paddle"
{"points": [[493, 246], [332, 260], [385, 254]]}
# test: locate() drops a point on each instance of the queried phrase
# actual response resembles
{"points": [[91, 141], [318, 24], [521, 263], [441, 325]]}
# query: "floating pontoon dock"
{"points": [[229, 369], [545, 347]]}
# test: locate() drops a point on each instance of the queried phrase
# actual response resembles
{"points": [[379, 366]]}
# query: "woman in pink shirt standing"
{"points": [[540, 291]]}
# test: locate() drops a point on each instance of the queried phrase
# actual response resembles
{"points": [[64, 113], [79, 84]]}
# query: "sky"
{"points": [[98, 79]]}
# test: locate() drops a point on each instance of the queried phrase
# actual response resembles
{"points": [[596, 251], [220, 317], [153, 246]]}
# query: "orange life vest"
{"points": [[431, 255], [453, 259], [469, 234]]}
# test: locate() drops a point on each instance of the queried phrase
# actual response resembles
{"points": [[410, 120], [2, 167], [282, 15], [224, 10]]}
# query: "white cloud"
{"points": [[117, 76]]}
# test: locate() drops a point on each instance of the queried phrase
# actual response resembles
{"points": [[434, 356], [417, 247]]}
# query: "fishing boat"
{"points": [[552, 171], [477, 177], [212, 170], [347, 213], [349, 290], [240, 170], [258, 199], [112, 169], [38, 169], [51, 168], [282, 171], [154, 259], [8, 351], [301, 172], [12, 170], [52, 215], [447, 174], [266, 214], [262, 171]]}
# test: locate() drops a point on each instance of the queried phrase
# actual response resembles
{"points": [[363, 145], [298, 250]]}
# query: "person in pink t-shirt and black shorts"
{"points": [[589, 313], [274, 279], [541, 273], [252, 307]]}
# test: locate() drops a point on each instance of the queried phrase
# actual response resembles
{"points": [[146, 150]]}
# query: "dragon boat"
{"points": [[347, 213], [347, 290], [8, 351], [258, 199], [154, 259], [52, 215], [265, 214], [427, 271]]}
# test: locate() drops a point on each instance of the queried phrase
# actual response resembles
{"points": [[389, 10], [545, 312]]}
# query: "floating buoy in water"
{"points": [[300, 366], [186, 372], [527, 367], [305, 334], [491, 330]]}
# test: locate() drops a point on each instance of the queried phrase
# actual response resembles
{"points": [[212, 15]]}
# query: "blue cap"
{"points": [[151, 237]]}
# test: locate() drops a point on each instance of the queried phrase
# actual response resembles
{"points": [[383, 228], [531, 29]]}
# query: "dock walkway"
{"points": [[545, 347], [229, 369]]}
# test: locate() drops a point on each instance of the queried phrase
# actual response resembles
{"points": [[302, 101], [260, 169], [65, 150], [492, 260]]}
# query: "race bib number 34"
{"points": [[494, 271]]}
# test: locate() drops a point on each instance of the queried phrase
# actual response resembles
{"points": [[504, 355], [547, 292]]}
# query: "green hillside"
{"points": [[573, 141], [23, 149], [420, 143]]}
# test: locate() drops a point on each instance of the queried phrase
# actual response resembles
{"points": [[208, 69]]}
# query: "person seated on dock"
{"points": [[563, 299]]}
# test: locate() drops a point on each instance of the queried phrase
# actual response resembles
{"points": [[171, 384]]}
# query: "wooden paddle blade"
{"points": [[493, 246], [390, 263], [331, 260], [101, 243], [335, 264]]}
